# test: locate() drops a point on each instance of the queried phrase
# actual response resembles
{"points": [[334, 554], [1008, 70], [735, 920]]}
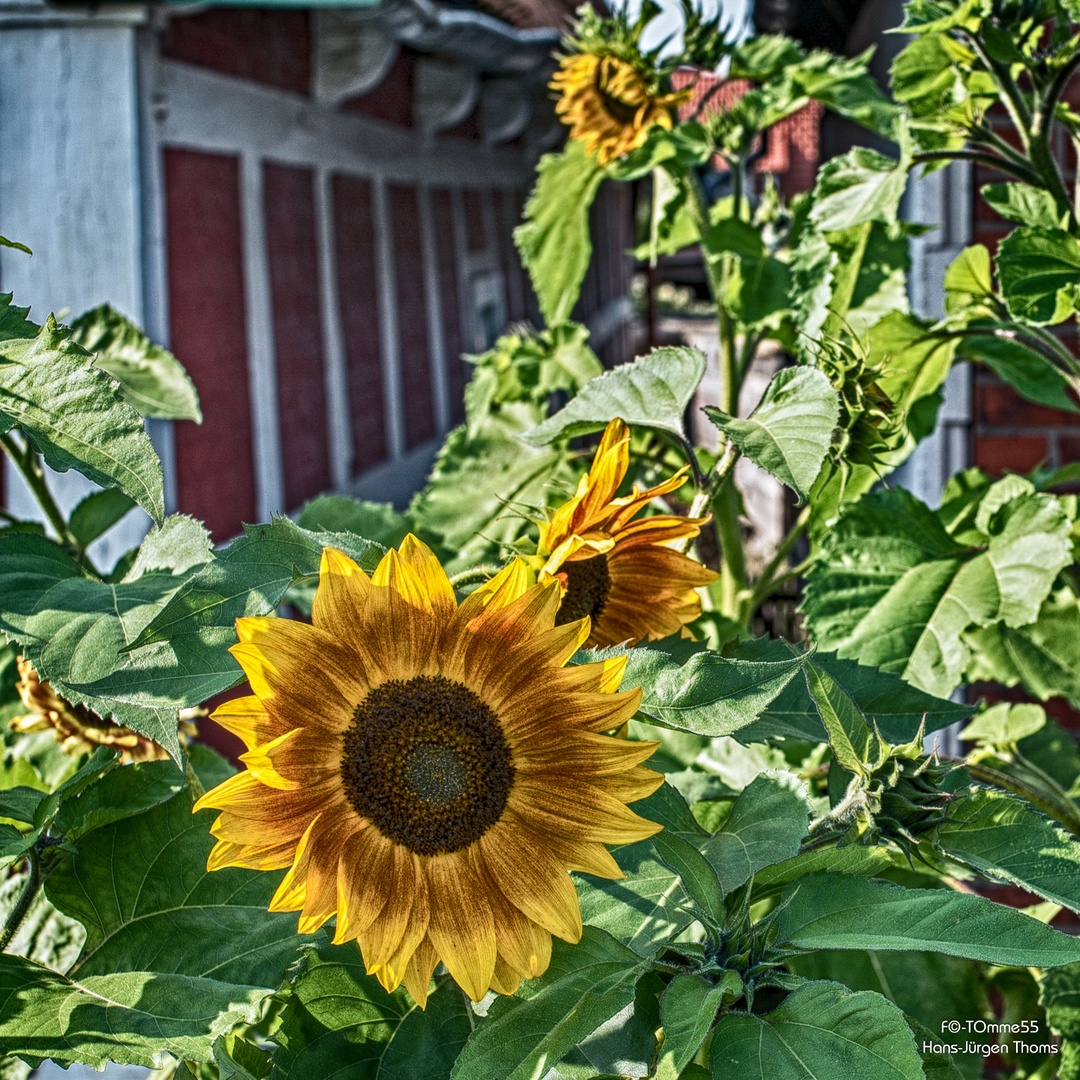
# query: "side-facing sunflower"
{"points": [[430, 771], [623, 574], [609, 105], [610, 91]]}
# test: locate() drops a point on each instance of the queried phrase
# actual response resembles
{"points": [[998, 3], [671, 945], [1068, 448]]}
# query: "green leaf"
{"points": [[790, 431], [897, 707], [480, 485], [653, 391], [839, 911], [850, 736], [523, 1036], [73, 629], [1004, 723], [339, 1023], [687, 1011], [19, 803], [1004, 839], [1039, 271], [71, 411], [249, 578], [1029, 373], [1025, 204], [822, 1031], [342, 513], [895, 590], [709, 694], [5, 242], [766, 826], [132, 1017], [98, 513], [151, 378], [855, 859], [968, 279], [758, 291], [913, 364], [554, 240], [125, 793], [861, 185], [237, 1059], [1044, 657], [141, 888], [928, 987], [646, 909], [698, 877]]}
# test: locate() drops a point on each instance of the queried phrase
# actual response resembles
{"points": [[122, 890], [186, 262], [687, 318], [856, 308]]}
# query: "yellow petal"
{"points": [[462, 928], [531, 879]]}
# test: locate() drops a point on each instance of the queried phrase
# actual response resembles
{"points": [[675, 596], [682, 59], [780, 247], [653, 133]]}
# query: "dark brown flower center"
{"points": [[427, 763], [588, 583]]}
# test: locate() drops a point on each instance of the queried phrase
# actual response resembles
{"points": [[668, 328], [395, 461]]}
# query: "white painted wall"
{"points": [[69, 189]]}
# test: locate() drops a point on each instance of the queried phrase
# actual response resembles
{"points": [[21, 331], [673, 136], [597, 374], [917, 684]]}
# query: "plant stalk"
{"points": [[995, 162], [1070, 819], [26, 900], [29, 467]]}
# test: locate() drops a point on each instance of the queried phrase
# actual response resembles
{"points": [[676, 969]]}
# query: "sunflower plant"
{"points": [[526, 790]]}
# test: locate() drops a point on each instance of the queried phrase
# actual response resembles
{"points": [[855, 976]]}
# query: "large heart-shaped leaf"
{"points": [[790, 431], [653, 391]]}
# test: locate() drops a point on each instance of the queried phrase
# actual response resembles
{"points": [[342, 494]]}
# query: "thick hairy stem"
{"points": [[1029, 176], [1065, 816], [26, 900], [1011, 98], [29, 466], [475, 575], [1041, 154]]}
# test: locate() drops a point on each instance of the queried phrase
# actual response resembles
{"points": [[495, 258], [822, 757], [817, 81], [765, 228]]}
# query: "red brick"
{"points": [[997, 454], [999, 405], [272, 47]]}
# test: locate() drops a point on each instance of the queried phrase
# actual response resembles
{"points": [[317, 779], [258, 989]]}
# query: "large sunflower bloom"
{"points": [[621, 573], [608, 105], [430, 771]]}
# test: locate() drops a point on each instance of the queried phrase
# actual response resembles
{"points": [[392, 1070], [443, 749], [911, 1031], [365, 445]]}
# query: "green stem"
{"points": [[1029, 176], [475, 574], [847, 280], [764, 584], [29, 465], [1069, 818], [1011, 97], [26, 900], [705, 497], [983, 136]]}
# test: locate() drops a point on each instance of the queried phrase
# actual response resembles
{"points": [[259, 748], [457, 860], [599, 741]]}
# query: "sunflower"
{"points": [[430, 771], [622, 574], [608, 104]]}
